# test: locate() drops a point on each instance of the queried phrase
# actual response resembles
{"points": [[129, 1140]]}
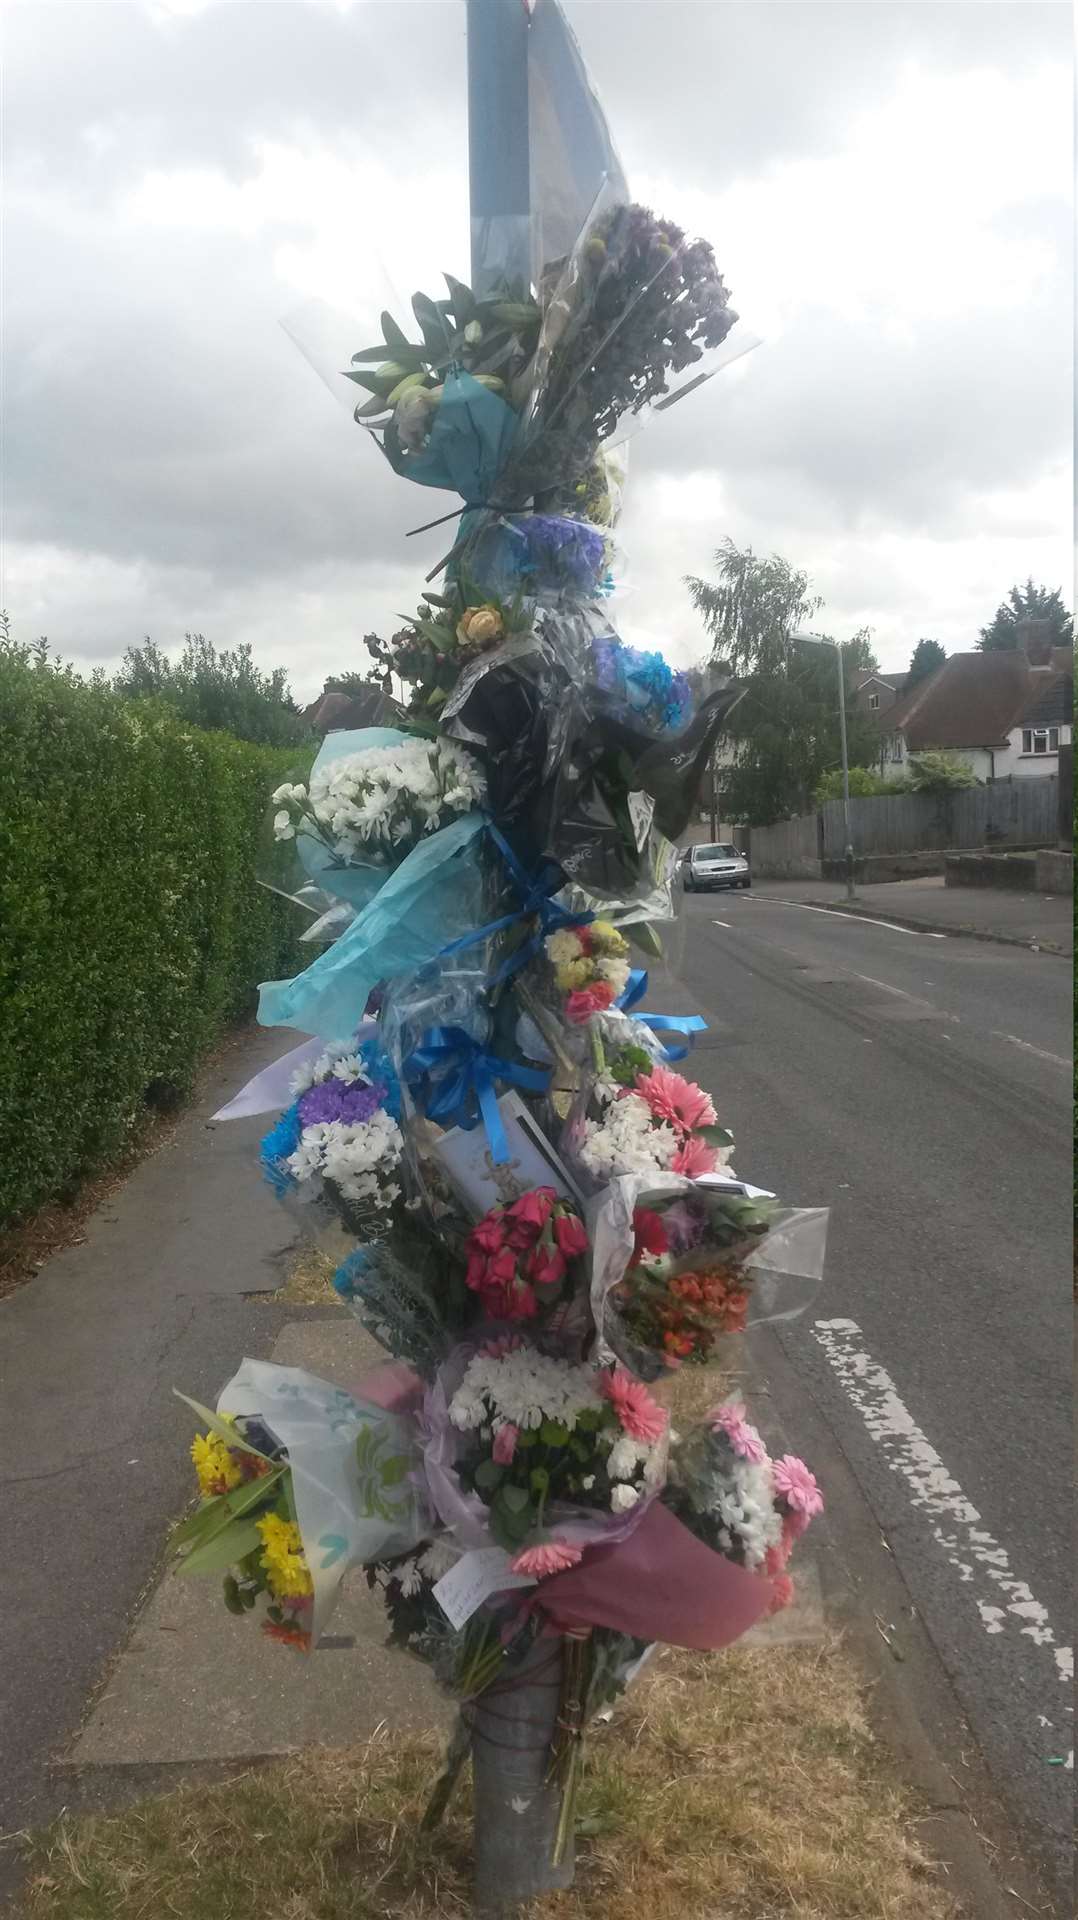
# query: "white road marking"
{"points": [[836, 913], [723, 923], [1027, 1046], [1004, 1604]]}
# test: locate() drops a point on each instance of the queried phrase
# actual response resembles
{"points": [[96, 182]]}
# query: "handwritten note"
{"points": [[474, 1578]]}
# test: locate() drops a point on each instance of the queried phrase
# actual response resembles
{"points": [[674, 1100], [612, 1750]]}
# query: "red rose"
{"points": [[570, 1234], [650, 1234], [489, 1235], [546, 1267]]}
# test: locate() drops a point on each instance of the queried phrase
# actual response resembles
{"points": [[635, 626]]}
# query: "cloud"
{"points": [[885, 189]]}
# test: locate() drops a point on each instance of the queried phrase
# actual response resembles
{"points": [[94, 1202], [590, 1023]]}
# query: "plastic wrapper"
{"points": [[353, 1471], [768, 1261], [466, 1517], [548, 558], [441, 891], [408, 1292], [344, 844], [336, 1149]]}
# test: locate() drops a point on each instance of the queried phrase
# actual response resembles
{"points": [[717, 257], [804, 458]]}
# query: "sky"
{"points": [[189, 184]]}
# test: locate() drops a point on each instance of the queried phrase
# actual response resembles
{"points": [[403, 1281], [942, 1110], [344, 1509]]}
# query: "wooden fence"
{"points": [[1009, 812]]}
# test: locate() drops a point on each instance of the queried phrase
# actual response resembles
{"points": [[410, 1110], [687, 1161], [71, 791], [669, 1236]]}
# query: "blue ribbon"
{"points": [[468, 1069], [535, 893], [631, 995]]}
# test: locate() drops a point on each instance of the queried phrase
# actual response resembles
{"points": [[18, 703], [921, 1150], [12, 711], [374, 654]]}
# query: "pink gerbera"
{"points": [[694, 1157], [797, 1486], [679, 1101], [640, 1415], [538, 1563], [742, 1437]]}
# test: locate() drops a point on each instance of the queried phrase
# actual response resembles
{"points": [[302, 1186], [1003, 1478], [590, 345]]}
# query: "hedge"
{"points": [[132, 928]]}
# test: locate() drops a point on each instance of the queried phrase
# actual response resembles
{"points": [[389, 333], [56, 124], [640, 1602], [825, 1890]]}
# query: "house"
{"points": [[875, 692], [1004, 713]]}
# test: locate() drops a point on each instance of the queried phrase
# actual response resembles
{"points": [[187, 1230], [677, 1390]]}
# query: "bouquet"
{"points": [[687, 1278], [246, 1523], [372, 807], [340, 1139], [448, 633], [543, 1437], [642, 1117], [520, 1256], [590, 969], [642, 684], [724, 1486]]}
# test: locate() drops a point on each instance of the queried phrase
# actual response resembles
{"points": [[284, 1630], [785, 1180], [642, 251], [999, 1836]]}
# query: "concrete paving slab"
{"points": [[194, 1683]]}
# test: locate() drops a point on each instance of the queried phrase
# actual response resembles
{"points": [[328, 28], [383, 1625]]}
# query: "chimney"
{"points": [[1035, 641]]}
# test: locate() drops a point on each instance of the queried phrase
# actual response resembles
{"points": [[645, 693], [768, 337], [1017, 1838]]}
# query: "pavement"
{"points": [[1044, 921], [919, 1083]]}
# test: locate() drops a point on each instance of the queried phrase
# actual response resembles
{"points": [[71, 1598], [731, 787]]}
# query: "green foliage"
{"points": [[784, 732], [939, 772], [133, 926], [1027, 603], [222, 692], [865, 782], [926, 657]]}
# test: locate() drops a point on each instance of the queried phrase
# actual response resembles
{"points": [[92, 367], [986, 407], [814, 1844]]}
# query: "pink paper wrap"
{"points": [[662, 1583]]}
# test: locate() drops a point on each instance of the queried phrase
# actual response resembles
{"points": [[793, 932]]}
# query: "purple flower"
{"points": [[333, 1100], [685, 1225]]}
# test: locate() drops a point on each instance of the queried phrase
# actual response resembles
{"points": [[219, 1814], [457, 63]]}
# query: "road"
{"points": [[921, 1086]]}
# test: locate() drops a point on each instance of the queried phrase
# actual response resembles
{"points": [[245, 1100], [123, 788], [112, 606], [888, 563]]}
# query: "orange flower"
{"points": [[289, 1635]]}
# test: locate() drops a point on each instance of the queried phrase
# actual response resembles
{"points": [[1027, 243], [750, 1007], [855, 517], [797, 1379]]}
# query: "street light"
{"points": [[818, 640]]}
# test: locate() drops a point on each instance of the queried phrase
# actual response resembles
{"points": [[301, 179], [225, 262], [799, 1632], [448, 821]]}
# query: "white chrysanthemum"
{"points": [[440, 1558], [624, 1458], [524, 1388], [308, 1157], [626, 1140], [349, 1068], [410, 1577], [622, 1498], [614, 972]]}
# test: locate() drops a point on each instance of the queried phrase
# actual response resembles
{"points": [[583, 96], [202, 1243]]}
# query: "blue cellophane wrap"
{"points": [[469, 442], [437, 894]]}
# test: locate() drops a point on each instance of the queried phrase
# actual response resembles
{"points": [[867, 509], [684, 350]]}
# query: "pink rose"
{"points": [[546, 1267], [489, 1235], [505, 1445]]}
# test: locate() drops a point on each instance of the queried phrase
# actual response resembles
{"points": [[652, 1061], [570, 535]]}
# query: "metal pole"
{"points": [[498, 164], [845, 770]]}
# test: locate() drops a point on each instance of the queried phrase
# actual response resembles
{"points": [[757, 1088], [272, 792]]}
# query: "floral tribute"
{"points": [[542, 1204]]}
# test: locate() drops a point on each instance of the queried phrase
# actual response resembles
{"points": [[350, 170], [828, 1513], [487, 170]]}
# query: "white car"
{"points": [[714, 866]]}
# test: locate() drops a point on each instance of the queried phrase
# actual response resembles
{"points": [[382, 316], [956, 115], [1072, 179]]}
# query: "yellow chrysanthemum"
{"points": [[572, 974], [607, 938], [562, 947], [214, 1464], [283, 1560]]}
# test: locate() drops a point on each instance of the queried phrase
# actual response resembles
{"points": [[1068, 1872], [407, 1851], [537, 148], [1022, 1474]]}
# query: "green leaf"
{"points": [[713, 1136], [435, 329], [462, 298], [553, 1434], [395, 337], [515, 1499], [224, 1550], [540, 1481], [370, 409], [646, 938], [372, 381], [370, 353], [218, 1426], [488, 1475]]}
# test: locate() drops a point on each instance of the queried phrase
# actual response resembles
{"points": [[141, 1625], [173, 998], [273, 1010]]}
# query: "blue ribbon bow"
{"points": [[634, 991], [535, 902], [466, 1069]]}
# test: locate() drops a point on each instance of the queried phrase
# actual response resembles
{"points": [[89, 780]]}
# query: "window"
{"points": [[896, 746], [873, 701], [724, 851], [1040, 740]]}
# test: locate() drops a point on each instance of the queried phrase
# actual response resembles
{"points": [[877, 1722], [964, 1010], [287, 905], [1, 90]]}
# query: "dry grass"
{"points": [[746, 1785], [310, 1281]]}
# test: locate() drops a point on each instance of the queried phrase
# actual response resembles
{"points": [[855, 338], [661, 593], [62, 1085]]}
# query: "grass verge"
{"points": [[746, 1784]]}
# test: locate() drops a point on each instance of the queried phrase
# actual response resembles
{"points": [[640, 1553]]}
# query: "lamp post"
{"points": [[817, 640]]}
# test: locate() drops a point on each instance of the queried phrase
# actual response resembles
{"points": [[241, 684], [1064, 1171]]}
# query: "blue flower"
{"points": [[277, 1144], [349, 1271]]}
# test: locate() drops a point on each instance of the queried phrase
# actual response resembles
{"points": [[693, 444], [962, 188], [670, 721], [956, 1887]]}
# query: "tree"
{"points": [[784, 731], [219, 691], [865, 782], [1027, 603], [926, 657]]}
